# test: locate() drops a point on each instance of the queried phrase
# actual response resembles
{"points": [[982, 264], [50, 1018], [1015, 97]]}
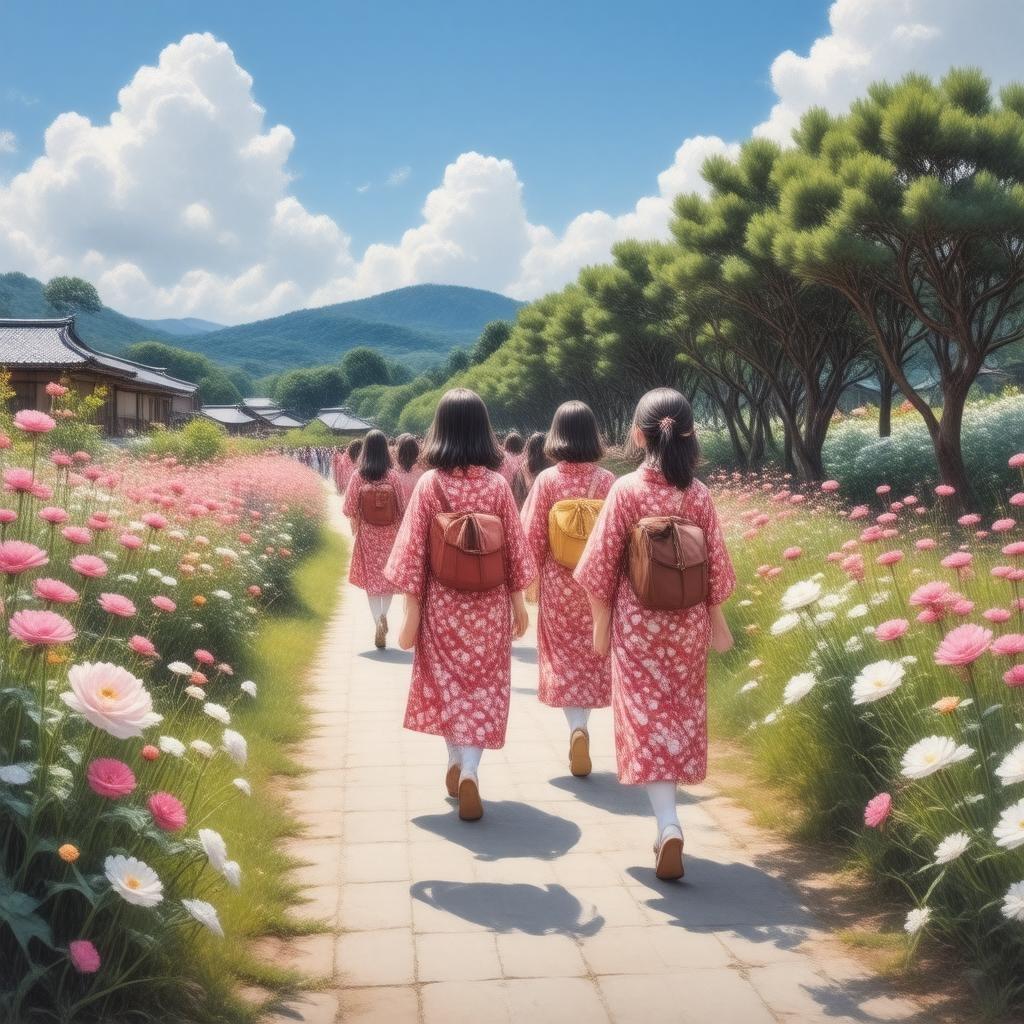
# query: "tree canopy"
{"points": [[72, 295]]}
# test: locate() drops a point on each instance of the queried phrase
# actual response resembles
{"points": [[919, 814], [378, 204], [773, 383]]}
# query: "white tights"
{"points": [[663, 802], [577, 718], [379, 604], [468, 758]]}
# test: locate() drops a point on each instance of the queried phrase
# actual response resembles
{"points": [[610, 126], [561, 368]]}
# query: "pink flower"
{"points": [[41, 628], [84, 956], [1008, 645], [996, 615], [143, 645], [56, 591], [1015, 676], [60, 459], [55, 390], [5, 441], [204, 657], [82, 457], [882, 489], [945, 491], [957, 560], [828, 486], [1014, 550], [7, 515], [889, 557], [198, 678], [1002, 525], [971, 519], [859, 512], [130, 541], [149, 752], [117, 604], [1017, 500], [53, 515], [961, 605], [110, 778], [1016, 461], [77, 534], [792, 553], [929, 616], [924, 544], [963, 645], [163, 604], [937, 592], [99, 521], [154, 520], [90, 566], [892, 629], [19, 480], [877, 810], [168, 812], [18, 556], [887, 518], [34, 422]]}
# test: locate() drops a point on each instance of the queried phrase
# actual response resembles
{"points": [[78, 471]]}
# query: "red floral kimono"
{"points": [[343, 468], [659, 659], [572, 674], [409, 479], [373, 543], [461, 672]]}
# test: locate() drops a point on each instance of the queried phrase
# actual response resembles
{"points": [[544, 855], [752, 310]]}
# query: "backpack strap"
{"points": [[442, 498]]}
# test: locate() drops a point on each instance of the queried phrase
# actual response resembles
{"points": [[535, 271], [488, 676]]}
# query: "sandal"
{"points": [[471, 807], [451, 780], [579, 753], [668, 855]]}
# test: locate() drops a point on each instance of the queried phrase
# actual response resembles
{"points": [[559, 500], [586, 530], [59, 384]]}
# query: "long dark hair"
{"points": [[665, 419], [514, 442], [354, 448], [574, 435], [375, 458], [461, 434], [407, 451], [536, 459]]}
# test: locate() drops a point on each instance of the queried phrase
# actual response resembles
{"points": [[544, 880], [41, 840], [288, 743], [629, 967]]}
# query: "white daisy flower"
{"points": [[858, 611], [800, 595], [1011, 768], [798, 687], [1013, 902], [203, 748], [134, 881], [932, 754], [952, 847], [1009, 833], [217, 712], [876, 681], [179, 668], [235, 745], [15, 774], [172, 746], [154, 572], [822, 618], [205, 914], [248, 687], [242, 785], [916, 920], [195, 692], [168, 581], [785, 624]]}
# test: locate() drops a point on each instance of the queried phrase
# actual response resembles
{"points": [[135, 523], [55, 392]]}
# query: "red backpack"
{"points": [[467, 549]]}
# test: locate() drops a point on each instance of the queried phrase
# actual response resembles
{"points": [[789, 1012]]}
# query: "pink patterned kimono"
{"points": [[461, 672], [343, 468], [659, 659], [572, 675], [510, 465], [409, 479], [373, 543]]}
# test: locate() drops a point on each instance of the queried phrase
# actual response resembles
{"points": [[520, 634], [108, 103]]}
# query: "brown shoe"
{"points": [[471, 807], [579, 753], [379, 640], [668, 855], [451, 779]]}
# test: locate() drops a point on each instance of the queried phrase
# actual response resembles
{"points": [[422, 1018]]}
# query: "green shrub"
{"points": [[200, 440]]}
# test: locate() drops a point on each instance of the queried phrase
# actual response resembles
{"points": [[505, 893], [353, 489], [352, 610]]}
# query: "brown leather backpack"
{"points": [[378, 506], [668, 563], [467, 549]]}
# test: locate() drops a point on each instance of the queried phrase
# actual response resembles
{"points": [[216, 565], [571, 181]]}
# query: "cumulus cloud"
{"points": [[8, 141], [182, 203]]}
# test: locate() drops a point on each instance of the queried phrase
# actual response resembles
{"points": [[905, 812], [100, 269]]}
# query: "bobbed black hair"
{"points": [[375, 458], [514, 442], [536, 459], [574, 435], [664, 418], [461, 435], [407, 451], [354, 448]]}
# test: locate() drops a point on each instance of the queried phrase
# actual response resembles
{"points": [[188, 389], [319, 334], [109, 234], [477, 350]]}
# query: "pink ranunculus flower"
{"points": [[945, 490], [117, 604], [957, 560], [204, 657], [18, 556], [90, 566], [970, 519], [1008, 645], [996, 614], [56, 591], [84, 956], [41, 628], [937, 592], [1017, 500], [99, 521], [1014, 550], [889, 557], [130, 541], [55, 390], [77, 534], [961, 605], [110, 778], [925, 544], [859, 512], [154, 520], [828, 486], [1015, 676], [60, 459], [32, 421], [963, 645], [144, 646], [1002, 525], [53, 515], [882, 489], [168, 812], [7, 515], [163, 604], [892, 629], [877, 810], [19, 480], [110, 698], [1016, 461], [928, 616], [198, 678]]}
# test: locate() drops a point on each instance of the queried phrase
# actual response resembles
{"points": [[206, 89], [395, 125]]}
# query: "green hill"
{"points": [[182, 325], [107, 330], [418, 326]]}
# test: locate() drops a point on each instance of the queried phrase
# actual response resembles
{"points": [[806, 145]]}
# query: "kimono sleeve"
{"points": [[407, 565], [721, 575], [600, 565], [520, 567], [534, 518], [399, 488], [350, 505]]}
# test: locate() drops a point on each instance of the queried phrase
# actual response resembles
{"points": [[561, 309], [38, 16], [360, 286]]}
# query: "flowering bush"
{"points": [[129, 590], [881, 679]]}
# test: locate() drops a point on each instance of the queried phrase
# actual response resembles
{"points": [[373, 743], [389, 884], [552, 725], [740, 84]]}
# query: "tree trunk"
{"points": [[947, 442], [788, 462], [885, 403]]}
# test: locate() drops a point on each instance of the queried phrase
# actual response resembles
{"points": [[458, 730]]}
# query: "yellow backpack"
{"points": [[570, 523]]}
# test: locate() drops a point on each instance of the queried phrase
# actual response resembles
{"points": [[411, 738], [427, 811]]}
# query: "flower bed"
{"points": [[131, 592], [879, 680]]}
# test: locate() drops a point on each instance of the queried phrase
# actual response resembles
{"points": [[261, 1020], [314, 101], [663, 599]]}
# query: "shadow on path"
{"points": [[508, 829], [604, 791], [390, 656], [846, 1000], [527, 655], [551, 910]]}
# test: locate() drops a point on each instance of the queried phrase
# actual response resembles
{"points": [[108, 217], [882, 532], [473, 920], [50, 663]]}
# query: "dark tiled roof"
{"points": [[227, 414], [340, 419]]}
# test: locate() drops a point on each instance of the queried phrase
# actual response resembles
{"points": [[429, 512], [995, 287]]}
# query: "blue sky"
{"points": [[589, 100]]}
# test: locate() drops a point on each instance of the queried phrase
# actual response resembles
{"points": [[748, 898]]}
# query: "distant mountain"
{"points": [[182, 326], [418, 326], [21, 296]]}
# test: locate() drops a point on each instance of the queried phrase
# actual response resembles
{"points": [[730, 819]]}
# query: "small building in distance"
{"points": [[138, 396], [231, 418], [257, 416], [340, 421]]}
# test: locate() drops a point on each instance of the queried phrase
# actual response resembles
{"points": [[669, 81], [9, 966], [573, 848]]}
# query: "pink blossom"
{"points": [[963, 645], [957, 560], [1014, 550], [18, 479], [168, 812], [77, 534], [90, 566], [945, 491], [143, 645], [32, 421], [937, 592], [1016, 461], [117, 604], [1002, 525], [960, 605], [55, 591], [886, 518], [1001, 572], [41, 628], [53, 515], [82, 457], [84, 956], [1015, 676], [859, 512], [889, 557], [877, 810], [163, 604], [5, 441], [828, 486], [99, 521], [60, 459], [154, 520], [910, 499], [55, 390], [924, 544], [7, 515], [130, 541], [929, 616], [1008, 645], [198, 678], [882, 489], [18, 556], [892, 629], [996, 615], [1017, 500], [792, 553], [110, 778], [971, 519], [204, 657]]}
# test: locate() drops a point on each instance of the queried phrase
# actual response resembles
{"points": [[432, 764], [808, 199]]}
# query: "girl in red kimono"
{"points": [[407, 455], [573, 676], [373, 542], [461, 673], [512, 455], [659, 658], [345, 464]]}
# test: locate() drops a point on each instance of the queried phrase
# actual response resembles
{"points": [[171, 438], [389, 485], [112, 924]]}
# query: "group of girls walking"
{"points": [[632, 573]]}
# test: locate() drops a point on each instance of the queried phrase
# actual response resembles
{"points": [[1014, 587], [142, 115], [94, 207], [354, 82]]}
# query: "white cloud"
{"points": [[182, 203], [8, 142]]}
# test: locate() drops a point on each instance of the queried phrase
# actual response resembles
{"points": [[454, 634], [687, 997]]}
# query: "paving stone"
{"points": [[382, 957], [459, 957], [540, 956], [310, 1008], [366, 906], [379, 1005]]}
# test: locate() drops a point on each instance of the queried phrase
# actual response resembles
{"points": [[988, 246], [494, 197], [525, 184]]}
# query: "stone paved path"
{"points": [[547, 909]]}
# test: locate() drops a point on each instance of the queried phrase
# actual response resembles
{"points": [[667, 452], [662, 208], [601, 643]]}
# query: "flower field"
{"points": [[131, 592], [879, 681]]}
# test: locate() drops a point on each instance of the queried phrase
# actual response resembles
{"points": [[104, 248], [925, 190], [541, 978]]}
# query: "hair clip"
{"points": [[666, 423]]}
